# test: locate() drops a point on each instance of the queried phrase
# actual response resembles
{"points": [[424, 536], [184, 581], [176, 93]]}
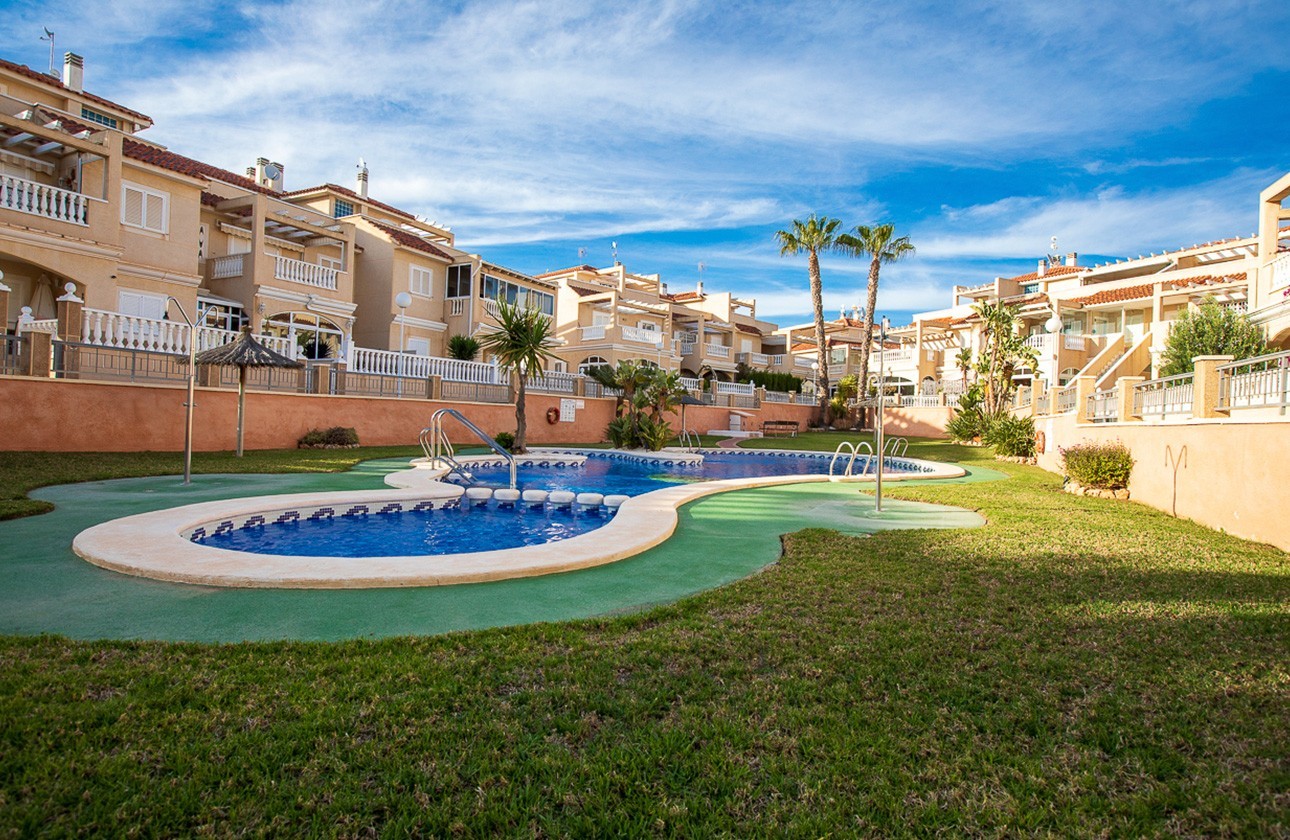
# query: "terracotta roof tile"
{"points": [[683, 297], [570, 270], [1209, 280], [348, 193], [167, 159], [57, 84], [1114, 295], [411, 240], [1051, 271]]}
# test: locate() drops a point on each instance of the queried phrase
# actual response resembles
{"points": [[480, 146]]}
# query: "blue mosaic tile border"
{"points": [[310, 514]]}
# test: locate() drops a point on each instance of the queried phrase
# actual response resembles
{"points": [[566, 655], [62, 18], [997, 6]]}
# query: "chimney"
{"points": [[268, 174], [698, 287], [361, 187], [1072, 259], [1043, 266], [73, 72]]}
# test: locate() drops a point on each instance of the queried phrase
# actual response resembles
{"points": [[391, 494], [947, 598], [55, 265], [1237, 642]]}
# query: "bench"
{"points": [[779, 428]]}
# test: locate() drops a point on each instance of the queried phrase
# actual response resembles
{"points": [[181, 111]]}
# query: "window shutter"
{"points": [[156, 213], [132, 206]]}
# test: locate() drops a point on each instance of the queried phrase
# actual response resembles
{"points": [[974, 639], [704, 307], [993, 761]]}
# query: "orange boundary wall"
{"points": [[1231, 475], [56, 415]]}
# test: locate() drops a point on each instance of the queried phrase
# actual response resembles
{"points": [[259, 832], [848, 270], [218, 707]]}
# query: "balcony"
{"points": [[759, 360], [307, 274], [43, 200], [642, 336]]}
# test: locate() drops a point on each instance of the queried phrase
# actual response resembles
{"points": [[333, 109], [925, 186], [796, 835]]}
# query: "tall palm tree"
{"points": [[522, 345], [881, 245], [816, 234]]}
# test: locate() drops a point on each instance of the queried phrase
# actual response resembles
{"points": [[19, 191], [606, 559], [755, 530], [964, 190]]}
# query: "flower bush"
{"points": [[1103, 465]]}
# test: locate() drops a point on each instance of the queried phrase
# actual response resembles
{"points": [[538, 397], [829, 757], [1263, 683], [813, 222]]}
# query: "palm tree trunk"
{"points": [[521, 421], [871, 302], [821, 352]]}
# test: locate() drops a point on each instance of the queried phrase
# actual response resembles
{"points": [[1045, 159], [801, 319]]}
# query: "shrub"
{"points": [[968, 423], [505, 440], [619, 432], [1102, 465], [336, 436], [1211, 330], [838, 407], [1011, 436], [769, 379], [654, 434], [463, 347]]}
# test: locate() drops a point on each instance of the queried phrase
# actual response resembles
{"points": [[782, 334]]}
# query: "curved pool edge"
{"points": [[151, 545]]}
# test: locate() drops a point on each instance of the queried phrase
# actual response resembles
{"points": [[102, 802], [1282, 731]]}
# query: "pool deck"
{"points": [[155, 545], [45, 588]]}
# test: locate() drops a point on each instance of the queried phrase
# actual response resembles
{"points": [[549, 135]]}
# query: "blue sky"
{"points": [[690, 132]]}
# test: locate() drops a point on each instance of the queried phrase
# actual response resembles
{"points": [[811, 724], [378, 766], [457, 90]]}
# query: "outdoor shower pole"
{"points": [[192, 383], [882, 399]]}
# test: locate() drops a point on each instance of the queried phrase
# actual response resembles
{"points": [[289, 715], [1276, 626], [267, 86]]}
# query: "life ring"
{"points": [[553, 415], [1039, 442]]}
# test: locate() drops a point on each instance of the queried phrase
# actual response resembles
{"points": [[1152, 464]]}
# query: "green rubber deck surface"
{"points": [[45, 588]]}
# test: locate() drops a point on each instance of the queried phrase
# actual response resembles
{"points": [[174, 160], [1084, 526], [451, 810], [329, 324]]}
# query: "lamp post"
{"points": [[882, 399], [402, 300], [192, 385], [815, 383]]}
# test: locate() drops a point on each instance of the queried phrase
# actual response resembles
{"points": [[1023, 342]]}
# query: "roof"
{"points": [[351, 194], [1209, 280], [1050, 271], [682, 297], [167, 159], [570, 270], [746, 328], [411, 240], [1113, 295], [57, 84]]}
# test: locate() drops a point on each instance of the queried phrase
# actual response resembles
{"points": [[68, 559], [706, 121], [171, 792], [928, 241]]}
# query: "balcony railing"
{"points": [[1281, 271], [641, 336], [228, 266], [308, 274], [100, 328], [1260, 382], [594, 333], [745, 388], [554, 382], [1169, 395], [716, 351], [43, 200]]}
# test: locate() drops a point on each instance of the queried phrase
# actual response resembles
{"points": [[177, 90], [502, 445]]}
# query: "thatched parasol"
{"points": [[688, 400], [244, 353]]}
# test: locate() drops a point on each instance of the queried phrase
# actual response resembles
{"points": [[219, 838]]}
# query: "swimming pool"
{"points": [[172, 544], [488, 524]]}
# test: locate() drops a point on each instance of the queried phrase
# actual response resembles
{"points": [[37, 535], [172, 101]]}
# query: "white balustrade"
{"points": [[43, 200], [642, 336], [457, 306], [554, 382], [112, 329], [595, 333], [1074, 342], [921, 401], [231, 265], [1281, 271], [1040, 341], [308, 274], [392, 363], [687, 347], [744, 388], [210, 337], [717, 351]]}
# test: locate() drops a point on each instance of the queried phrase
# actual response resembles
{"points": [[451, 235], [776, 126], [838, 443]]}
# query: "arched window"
{"points": [[591, 362], [317, 337]]}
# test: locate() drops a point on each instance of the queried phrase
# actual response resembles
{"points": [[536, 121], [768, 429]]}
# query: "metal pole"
{"points": [[882, 399], [192, 384]]}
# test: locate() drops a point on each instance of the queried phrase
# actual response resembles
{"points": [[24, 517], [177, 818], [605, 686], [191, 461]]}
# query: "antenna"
{"points": [[582, 255], [49, 36], [614, 246], [701, 267]]}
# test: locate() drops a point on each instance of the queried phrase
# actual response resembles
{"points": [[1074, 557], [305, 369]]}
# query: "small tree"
{"points": [[463, 347], [1211, 330], [522, 345], [1002, 352]]}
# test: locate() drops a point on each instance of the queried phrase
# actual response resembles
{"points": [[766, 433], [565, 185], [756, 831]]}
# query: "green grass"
{"points": [[1079, 667]]}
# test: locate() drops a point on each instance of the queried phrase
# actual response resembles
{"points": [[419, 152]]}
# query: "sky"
{"points": [[690, 132]]}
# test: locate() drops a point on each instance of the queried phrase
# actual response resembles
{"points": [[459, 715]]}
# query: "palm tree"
{"points": [[522, 345], [964, 362], [881, 245], [1002, 352], [816, 234]]}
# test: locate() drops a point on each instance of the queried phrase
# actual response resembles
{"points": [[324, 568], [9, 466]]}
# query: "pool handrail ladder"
{"points": [[438, 448], [855, 450], [894, 444]]}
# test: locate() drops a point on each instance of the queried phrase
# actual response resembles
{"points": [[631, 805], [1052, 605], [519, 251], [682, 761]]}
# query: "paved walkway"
{"points": [[45, 588]]}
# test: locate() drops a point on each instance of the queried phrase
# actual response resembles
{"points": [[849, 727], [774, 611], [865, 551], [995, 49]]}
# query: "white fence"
{"points": [[43, 200], [554, 382], [1170, 395], [745, 388], [308, 274], [1259, 382], [391, 363], [1104, 405], [131, 332]]}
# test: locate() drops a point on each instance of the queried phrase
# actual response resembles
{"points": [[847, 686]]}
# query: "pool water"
{"points": [[475, 527]]}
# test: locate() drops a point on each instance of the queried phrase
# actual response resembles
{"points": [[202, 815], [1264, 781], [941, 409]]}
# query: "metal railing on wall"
{"points": [[1260, 382], [10, 354]]}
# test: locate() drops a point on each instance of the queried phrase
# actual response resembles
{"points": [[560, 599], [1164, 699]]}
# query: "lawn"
{"points": [[1077, 667]]}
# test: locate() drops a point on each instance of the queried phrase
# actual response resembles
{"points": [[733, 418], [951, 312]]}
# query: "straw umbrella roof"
{"points": [[245, 352]]}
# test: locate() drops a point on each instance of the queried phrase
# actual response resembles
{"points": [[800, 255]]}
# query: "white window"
{"points": [[601, 319], [647, 325], [238, 245], [558, 366], [144, 208], [141, 304], [420, 281], [419, 346], [330, 262], [745, 345]]}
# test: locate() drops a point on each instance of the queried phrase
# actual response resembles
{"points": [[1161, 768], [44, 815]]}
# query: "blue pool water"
{"points": [[467, 528]]}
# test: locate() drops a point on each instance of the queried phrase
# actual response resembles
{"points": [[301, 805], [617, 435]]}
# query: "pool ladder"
{"points": [[438, 449], [896, 447], [689, 440], [854, 449]]}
